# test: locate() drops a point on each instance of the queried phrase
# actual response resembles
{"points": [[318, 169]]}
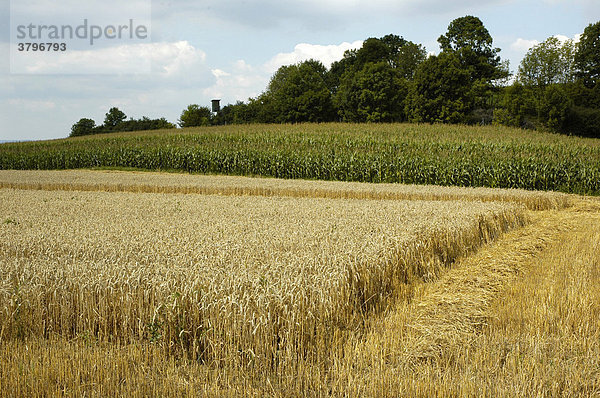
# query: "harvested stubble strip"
{"points": [[222, 278], [150, 182], [415, 349]]}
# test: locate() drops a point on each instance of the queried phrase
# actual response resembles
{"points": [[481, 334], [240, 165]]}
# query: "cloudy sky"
{"points": [[199, 50]]}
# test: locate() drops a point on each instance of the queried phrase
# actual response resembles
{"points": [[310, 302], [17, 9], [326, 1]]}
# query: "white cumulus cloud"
{"points": [[563, 38], [243, 81], [327, 54], [240, 83], [172, 58], [522, 45]]}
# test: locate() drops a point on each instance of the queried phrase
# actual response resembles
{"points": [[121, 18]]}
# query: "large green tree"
{"points": [[113, 118], [584, 117], [371, 83], [401, 54], [457, 85], [374, 50], [439, 91], [408, 58], [472, 43], [545, 73], [84, 126], [298, 93], [373, 94], [587, 58], [549, 62], [195, 115]]}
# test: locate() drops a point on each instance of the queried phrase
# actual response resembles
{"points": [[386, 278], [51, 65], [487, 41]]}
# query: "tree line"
{"points": [[116, 120], [391, 79]]}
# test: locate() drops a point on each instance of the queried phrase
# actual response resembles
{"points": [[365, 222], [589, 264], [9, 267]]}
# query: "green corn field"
{"points": [[496, 157]]}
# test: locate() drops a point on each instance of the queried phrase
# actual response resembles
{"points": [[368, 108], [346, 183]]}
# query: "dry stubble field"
{"points": [[115, 283]]}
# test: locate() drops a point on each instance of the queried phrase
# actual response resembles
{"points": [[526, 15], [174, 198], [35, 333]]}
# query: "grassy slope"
{"points": [[420, 154]]}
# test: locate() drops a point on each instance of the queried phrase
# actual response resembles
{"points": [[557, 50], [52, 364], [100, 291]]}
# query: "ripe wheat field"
{"points": [[150, 284]]}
